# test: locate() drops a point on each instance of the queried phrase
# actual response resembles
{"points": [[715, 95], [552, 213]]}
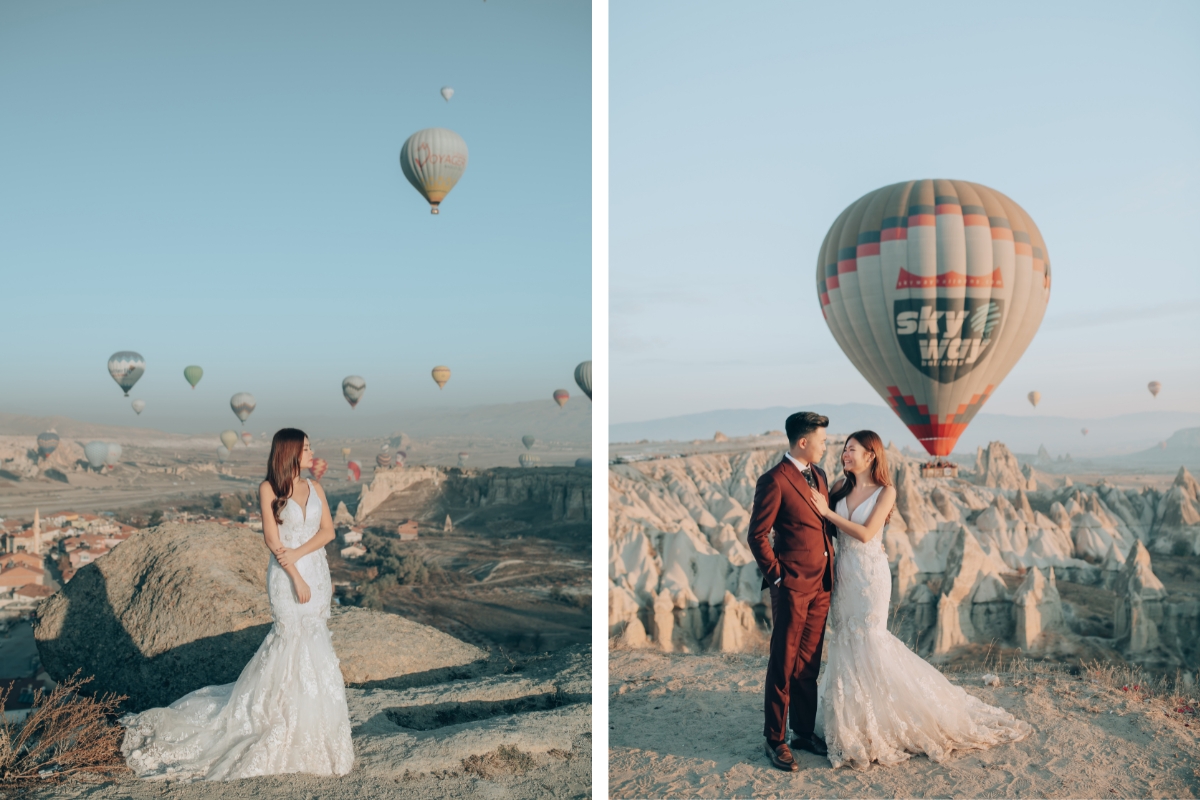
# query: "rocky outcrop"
{"points": [[1177, 518], [183, 606], [387, 482], [1038, 608], [997, 467]]}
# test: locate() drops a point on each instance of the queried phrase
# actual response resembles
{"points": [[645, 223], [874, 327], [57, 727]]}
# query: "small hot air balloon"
{"points": [[222, 453], [112, 456], [447, 93], [1155, 387], [528, 460], [47, 443], [138, 406], [561, 397], [462, 459], [126, 367], [96, 453], [352, 389], [583, 376], [528, 441], [229, 439], [1034, 398], [353, 471], [247, 438], [193, 374], [318, 468], [1083, 431], [345, 454], [399, 459], [433, 160], [441, 375], [583, 462], [242, 404], [933, 289], [383, 460]]}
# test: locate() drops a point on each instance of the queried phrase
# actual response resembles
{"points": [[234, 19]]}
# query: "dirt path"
{"points": [[689, 726]]}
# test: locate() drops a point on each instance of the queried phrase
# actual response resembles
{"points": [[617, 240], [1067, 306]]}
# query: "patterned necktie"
{"points": [[808, 476]]}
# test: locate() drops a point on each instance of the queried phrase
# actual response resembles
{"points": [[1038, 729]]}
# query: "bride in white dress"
{"points": [[877, 700], [287, 710]]}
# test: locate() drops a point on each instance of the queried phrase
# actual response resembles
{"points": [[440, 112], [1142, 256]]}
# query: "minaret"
{"points": [[37, 533]]}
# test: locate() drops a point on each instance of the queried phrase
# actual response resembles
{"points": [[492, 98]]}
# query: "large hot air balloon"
{"points": [[193, 374], [222, 453], [383, 460], [47, 443], [352, 388], [247, 438], [1155, 387], [433, 160], [242, 404], [441, 375], [229, 439], [318, 468], [528, 460], [112, 456], [447, 93], [138, 406], [126, 367], [96, 453], [561, 397], [583, 376], [462, 459], [934, 289], [345, 454], [528, 441], [353, 471], [1034, 398]]}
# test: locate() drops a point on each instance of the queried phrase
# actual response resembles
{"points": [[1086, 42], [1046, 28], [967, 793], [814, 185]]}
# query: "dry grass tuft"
{"points": [[66, 733], [504, 760]]}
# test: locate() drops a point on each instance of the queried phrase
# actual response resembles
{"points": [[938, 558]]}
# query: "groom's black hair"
{"points": [[802, 423]]}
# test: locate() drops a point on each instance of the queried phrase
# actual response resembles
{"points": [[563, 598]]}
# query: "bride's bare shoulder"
{"points": [[265, 490]]}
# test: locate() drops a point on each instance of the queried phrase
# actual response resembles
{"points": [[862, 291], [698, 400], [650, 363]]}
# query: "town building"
{"points": [[407, 530]]}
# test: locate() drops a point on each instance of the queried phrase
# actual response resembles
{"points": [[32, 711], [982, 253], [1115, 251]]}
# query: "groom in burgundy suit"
{"points": [[798, 569]]}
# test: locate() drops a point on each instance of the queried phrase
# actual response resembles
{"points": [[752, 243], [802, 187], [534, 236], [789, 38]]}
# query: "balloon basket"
{"points": [[939, 468]]}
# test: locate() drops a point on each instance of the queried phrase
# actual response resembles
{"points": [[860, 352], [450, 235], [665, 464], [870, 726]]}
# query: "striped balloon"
{"points": [[242, 404], [353, 387], [934, 289], [383, 460], [528, 460], [126, 367], [561, 397], [433, 160], [47, 443], [583, 376]]}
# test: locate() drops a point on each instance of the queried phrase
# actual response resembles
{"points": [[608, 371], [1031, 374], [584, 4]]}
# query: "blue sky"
{"points": [[738, 135], [218, 184]]}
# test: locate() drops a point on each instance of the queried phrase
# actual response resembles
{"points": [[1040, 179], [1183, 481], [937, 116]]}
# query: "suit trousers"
{"points": [[797, 636]]}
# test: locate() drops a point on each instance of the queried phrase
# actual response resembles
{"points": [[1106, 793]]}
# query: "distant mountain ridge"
{"points": [[1110, 436]]}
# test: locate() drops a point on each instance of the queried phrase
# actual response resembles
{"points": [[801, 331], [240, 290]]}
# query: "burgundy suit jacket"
{"points": [[783, 502]]}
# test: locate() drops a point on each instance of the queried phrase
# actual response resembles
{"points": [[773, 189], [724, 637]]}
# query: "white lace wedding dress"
{"points": [[877, 700], [287, 710]]}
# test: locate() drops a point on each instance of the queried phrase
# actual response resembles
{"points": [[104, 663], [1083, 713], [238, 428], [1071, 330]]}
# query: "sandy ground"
{"points": [[690, 726]]}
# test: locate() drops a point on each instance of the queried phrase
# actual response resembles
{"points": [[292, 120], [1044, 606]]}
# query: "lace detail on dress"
{"points": [[877, 700], [287, 710]]}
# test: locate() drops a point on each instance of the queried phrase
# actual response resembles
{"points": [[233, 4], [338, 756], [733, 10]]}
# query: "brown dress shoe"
{"points": [[810, 743], [781, 757]]}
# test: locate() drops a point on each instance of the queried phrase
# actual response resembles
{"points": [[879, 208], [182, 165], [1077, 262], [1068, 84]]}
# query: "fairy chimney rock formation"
{"points": [[736, 630], [1037, 608]]}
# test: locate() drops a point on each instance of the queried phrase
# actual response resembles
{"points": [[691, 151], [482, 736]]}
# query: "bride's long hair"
{"points": [[880, 474], [283, 467]]}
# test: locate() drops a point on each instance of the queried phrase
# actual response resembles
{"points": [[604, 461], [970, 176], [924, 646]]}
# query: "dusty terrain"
{"points": [[690, 726]]}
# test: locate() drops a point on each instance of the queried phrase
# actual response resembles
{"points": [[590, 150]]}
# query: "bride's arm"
{"points": [[271, 532], [324, 534], [874, 523]]}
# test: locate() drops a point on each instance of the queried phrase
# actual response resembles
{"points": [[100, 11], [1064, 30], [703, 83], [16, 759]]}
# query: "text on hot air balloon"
{"points": [[946, 337]]}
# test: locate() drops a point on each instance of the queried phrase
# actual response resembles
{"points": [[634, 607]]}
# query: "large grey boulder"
{"points": [[182, 606]]}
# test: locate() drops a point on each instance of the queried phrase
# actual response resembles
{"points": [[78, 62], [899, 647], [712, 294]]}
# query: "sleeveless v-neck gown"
{"points": [[877, 700], [287, 710]]}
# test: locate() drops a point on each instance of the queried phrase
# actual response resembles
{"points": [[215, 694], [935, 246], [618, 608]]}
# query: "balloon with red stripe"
{"points": [[933, 289]]}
